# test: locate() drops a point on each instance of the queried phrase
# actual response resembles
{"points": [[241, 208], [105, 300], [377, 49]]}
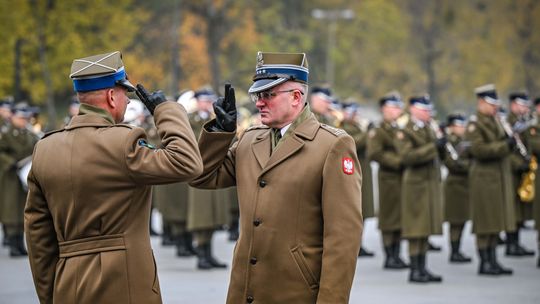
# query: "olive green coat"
{"points": [[207, 209], [490, 177], [172, 201], [421, 193], [360, 139], [88, 206], [381, 147], [532, 140], [457, 209], [15, 145], [300, 212]]}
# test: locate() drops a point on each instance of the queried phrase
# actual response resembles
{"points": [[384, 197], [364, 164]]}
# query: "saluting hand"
{"points": [[225, 110], [151, 101]]}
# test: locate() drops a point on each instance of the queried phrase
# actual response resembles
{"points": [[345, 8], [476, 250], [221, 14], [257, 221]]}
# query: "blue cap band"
{"points": [[97, 83], [294, 73]]}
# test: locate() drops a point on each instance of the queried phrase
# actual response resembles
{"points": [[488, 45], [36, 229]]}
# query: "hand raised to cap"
{"points": [[225, 110], [151, 101]]}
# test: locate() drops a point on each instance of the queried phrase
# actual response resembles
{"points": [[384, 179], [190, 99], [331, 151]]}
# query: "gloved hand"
{"points": [[151, 101], [225, 110], [511, 141], [441, 142]]}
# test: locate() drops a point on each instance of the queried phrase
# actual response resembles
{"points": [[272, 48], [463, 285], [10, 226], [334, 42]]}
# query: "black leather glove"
{"points": [[523, 169], [441, 142], [151, 101], [225, 110], [511, 141]]}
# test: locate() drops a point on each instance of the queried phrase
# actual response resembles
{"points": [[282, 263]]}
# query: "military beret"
{"points": [[392, 98], [275, 68], [456, 119], [99, 72], [421, 102], [488, 93], [520, 98]]}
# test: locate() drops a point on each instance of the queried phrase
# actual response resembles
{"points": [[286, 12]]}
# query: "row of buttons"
{"points": [[256, 223]]}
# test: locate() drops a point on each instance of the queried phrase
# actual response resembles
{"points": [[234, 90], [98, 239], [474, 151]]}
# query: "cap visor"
{"points": [[265, 84], [492, 101], [126, 84]]}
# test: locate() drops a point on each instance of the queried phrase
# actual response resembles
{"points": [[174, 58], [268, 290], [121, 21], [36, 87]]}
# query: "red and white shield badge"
{"points": [[348, 165]]}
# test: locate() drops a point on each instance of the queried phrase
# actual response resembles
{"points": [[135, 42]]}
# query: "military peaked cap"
{"points": [[488, 93], [99, 72], [421, 102], [276, 68], [520, 98], [392, 98]]}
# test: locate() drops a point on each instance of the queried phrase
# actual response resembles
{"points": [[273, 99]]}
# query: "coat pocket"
{"points": [[303, 267]]}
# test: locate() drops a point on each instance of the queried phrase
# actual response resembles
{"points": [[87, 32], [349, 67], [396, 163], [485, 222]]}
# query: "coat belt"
{"points": [[91, 245]]}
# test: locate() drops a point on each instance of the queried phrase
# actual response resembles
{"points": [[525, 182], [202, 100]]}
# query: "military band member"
{"points": [[16, 145], [299, 190], [456, 186], [207, 209], [518, 117], [532, 139], [86, 215], [351, 124], [490, 180], [421, 209], [381, 147]]}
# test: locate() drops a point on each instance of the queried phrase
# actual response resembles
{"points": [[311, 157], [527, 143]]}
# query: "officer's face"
{"points": [[5, 112], [320, 104], [121, 100], [391, 113], [19, 122], [420, 114], [279, 110], [487, 108], [519, 109]]}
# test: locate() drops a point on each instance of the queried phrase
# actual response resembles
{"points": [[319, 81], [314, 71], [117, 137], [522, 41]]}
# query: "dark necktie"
{"points": [[276, 138]]}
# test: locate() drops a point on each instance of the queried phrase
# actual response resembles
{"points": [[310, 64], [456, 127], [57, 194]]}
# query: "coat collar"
{"points": [[304, 131], [90, 116]]}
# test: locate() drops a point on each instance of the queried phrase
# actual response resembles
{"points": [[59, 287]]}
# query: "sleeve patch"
{"points": [[144, 143], [348, 165]]}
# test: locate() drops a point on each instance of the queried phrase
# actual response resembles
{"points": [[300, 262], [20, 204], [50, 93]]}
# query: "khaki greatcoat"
{"points": [[87, 213], [532, 140], [457, 209], [300, 213], [421, 193], [381, 147], [490, 178]]}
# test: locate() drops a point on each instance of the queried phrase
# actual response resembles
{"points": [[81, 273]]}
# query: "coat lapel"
{"points": [[261, 148]]}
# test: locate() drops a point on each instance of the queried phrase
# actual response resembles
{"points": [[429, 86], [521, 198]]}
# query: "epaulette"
{"points": [[52, 132], [257, 127], [333, 130]]}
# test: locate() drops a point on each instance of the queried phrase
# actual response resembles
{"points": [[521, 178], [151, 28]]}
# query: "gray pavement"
{"points": [[182, 283]]}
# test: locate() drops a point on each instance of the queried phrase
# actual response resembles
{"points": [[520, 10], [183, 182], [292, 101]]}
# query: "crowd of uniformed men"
{"points": [[490, 159]]}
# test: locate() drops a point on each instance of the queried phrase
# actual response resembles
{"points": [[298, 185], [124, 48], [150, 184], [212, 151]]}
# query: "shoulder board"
{"points": [[257, 127], [52, 132], [333, 130]]}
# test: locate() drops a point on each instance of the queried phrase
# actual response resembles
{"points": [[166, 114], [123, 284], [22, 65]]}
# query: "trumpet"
{"points": [[439, 134]]}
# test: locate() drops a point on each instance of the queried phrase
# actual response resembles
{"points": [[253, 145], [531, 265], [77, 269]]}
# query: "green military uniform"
{"points": [[421, 208], [15, 145], [325, 119], [532, 139], [207, 209], [456, 197], [381, 147]]}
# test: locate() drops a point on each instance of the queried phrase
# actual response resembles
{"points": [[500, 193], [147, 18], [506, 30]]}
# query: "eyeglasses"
{"points": [[269, 94]]}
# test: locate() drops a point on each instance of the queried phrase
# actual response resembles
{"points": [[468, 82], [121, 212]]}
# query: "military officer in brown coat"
{"points": [[518, 118], [299, 190], [16, 145], [456, 186], [532, 139], [359, 132], [382, 148], [490, 179], [86, 215], [421, 193]]}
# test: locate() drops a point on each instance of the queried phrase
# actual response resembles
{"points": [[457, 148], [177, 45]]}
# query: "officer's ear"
{"points": [[111, 101]]}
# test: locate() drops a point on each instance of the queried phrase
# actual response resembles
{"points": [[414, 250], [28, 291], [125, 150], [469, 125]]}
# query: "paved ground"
{"points": [[181, 283]]}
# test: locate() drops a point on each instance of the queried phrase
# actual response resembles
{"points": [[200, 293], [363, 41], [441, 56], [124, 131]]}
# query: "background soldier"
{"points": [[532, 139], [352, 126], [5, 119], [518, 118], [89, 215], [421, 209], [381, 147], [321, 105], [16, 145], [456, 186], [490, 180], [207, 209]]}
